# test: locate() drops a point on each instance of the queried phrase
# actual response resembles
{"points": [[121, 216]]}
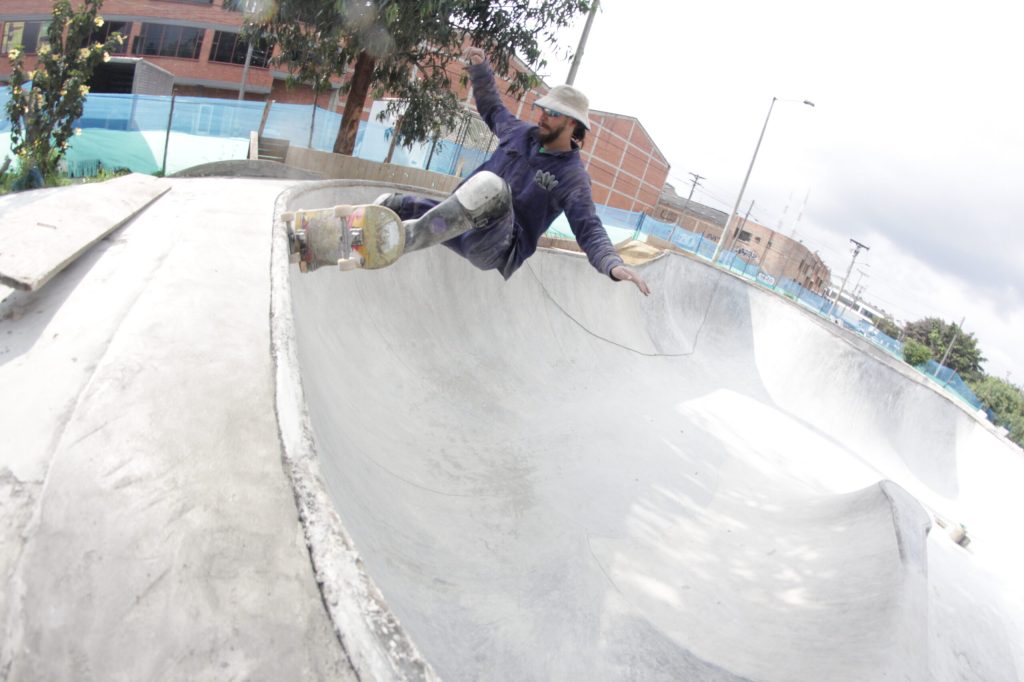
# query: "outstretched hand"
{"points": [[474, 55], [624, 274]]}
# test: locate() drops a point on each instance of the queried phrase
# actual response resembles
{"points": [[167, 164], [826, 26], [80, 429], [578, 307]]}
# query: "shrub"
{"points": [[915, 353]]}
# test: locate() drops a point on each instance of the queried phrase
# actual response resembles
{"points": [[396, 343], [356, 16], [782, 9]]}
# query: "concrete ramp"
{"points": [[555, 478], [552, 478]]}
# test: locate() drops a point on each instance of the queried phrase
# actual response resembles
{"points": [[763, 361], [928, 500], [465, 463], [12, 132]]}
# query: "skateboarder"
{"points": [[535, 174]]}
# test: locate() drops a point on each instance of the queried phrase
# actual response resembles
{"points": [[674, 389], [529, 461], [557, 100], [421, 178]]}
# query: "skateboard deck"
{"points": [[366, 236]]}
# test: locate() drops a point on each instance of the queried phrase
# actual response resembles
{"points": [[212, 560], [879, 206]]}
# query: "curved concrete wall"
{"points": [[555, 478]]}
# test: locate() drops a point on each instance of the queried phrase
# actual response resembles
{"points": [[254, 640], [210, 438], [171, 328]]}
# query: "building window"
{"points": [[251, 6], [27, 36], [164, 40], [743, 235], [231, 48], [101, 34]]}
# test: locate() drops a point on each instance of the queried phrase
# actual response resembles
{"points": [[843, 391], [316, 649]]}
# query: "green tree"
{"points": [[406, 48], [1015, 425], [915, 353], [998, 395], [965, 357], [1006, 401], [46, 102]]}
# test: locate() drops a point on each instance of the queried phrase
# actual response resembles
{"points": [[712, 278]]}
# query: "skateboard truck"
{"points": [[365, 236], [300, 251], [349, 237]]}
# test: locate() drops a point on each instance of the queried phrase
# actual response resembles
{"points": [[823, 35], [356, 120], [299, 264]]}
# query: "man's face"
{"points": [[551, 124]]}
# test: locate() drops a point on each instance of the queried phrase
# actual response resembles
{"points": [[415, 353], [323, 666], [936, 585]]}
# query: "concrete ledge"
{"points": [[377, 645], [41, 234], [247, 168], [344, 167]]}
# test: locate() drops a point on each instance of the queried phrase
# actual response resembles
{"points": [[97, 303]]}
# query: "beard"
{"points": [[551, 135]]}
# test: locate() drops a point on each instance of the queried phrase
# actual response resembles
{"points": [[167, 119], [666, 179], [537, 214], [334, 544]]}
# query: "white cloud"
{"points": [[914, 147]]}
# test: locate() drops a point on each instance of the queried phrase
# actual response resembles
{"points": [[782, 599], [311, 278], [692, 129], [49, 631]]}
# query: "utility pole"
{"points": [[858, 290], [857, 246], [578, 57], [693, 185], [952, 341], [746, 178], [739, 228]]}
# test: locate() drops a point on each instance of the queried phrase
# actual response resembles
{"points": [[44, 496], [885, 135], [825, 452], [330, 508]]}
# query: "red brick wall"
{"points": [[211, 16], [625, 166]]}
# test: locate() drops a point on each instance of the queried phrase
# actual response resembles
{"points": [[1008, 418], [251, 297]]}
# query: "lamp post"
{"points": [[571, 78], [735, 209]]}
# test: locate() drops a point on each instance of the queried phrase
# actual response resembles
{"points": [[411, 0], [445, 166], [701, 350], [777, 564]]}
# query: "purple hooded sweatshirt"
{"points": [[543, 184]]}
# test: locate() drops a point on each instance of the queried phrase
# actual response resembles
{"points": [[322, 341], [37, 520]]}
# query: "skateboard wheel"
{"points": [[353, 263], [288, 216]]}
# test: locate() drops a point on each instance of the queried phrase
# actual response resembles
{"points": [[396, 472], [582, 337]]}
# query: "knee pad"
{"points": [[485, 196]]}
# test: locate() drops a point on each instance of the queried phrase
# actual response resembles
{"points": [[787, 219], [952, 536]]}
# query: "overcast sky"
{"points": [[915, 145]]}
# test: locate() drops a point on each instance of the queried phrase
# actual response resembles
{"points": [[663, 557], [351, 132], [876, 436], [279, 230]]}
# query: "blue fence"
{"points": [[148, 134], [697, 244]]}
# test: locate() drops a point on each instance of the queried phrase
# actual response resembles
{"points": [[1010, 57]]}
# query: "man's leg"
{"points": [[475, 221], [487, 248], [407, 206]]}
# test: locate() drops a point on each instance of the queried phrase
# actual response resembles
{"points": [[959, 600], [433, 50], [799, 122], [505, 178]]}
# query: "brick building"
{"points": [[198, 42], [692, 216], [772, 251], [626, 168]]}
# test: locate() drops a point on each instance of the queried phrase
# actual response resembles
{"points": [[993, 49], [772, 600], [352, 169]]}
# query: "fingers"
{"points": [[640, 283], [473, 55], [622, 273]]}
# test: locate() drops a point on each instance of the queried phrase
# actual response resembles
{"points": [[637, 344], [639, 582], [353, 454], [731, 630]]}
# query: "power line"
{"points": [[693, 186], [856, 252]]}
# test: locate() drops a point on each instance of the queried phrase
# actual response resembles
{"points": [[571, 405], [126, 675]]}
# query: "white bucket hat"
{"points": [[567, 101]]}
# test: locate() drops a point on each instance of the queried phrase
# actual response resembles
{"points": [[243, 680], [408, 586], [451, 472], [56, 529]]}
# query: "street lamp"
{"points": [[736, 208]]}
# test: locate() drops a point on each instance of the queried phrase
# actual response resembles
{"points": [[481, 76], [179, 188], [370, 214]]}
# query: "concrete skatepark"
{"points": [[217, 468]]}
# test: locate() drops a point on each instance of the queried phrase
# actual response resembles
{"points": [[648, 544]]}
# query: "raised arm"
{"points": [[485, 92]]}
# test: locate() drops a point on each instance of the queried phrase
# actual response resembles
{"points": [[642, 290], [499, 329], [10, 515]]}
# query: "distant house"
{"points": [[772, 251]]}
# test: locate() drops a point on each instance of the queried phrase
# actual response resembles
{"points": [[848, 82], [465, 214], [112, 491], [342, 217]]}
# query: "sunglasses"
{"points": [[550, 113]]}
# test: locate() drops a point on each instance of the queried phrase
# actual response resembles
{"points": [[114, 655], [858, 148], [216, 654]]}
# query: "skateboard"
{"points": [[365, 236]]}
